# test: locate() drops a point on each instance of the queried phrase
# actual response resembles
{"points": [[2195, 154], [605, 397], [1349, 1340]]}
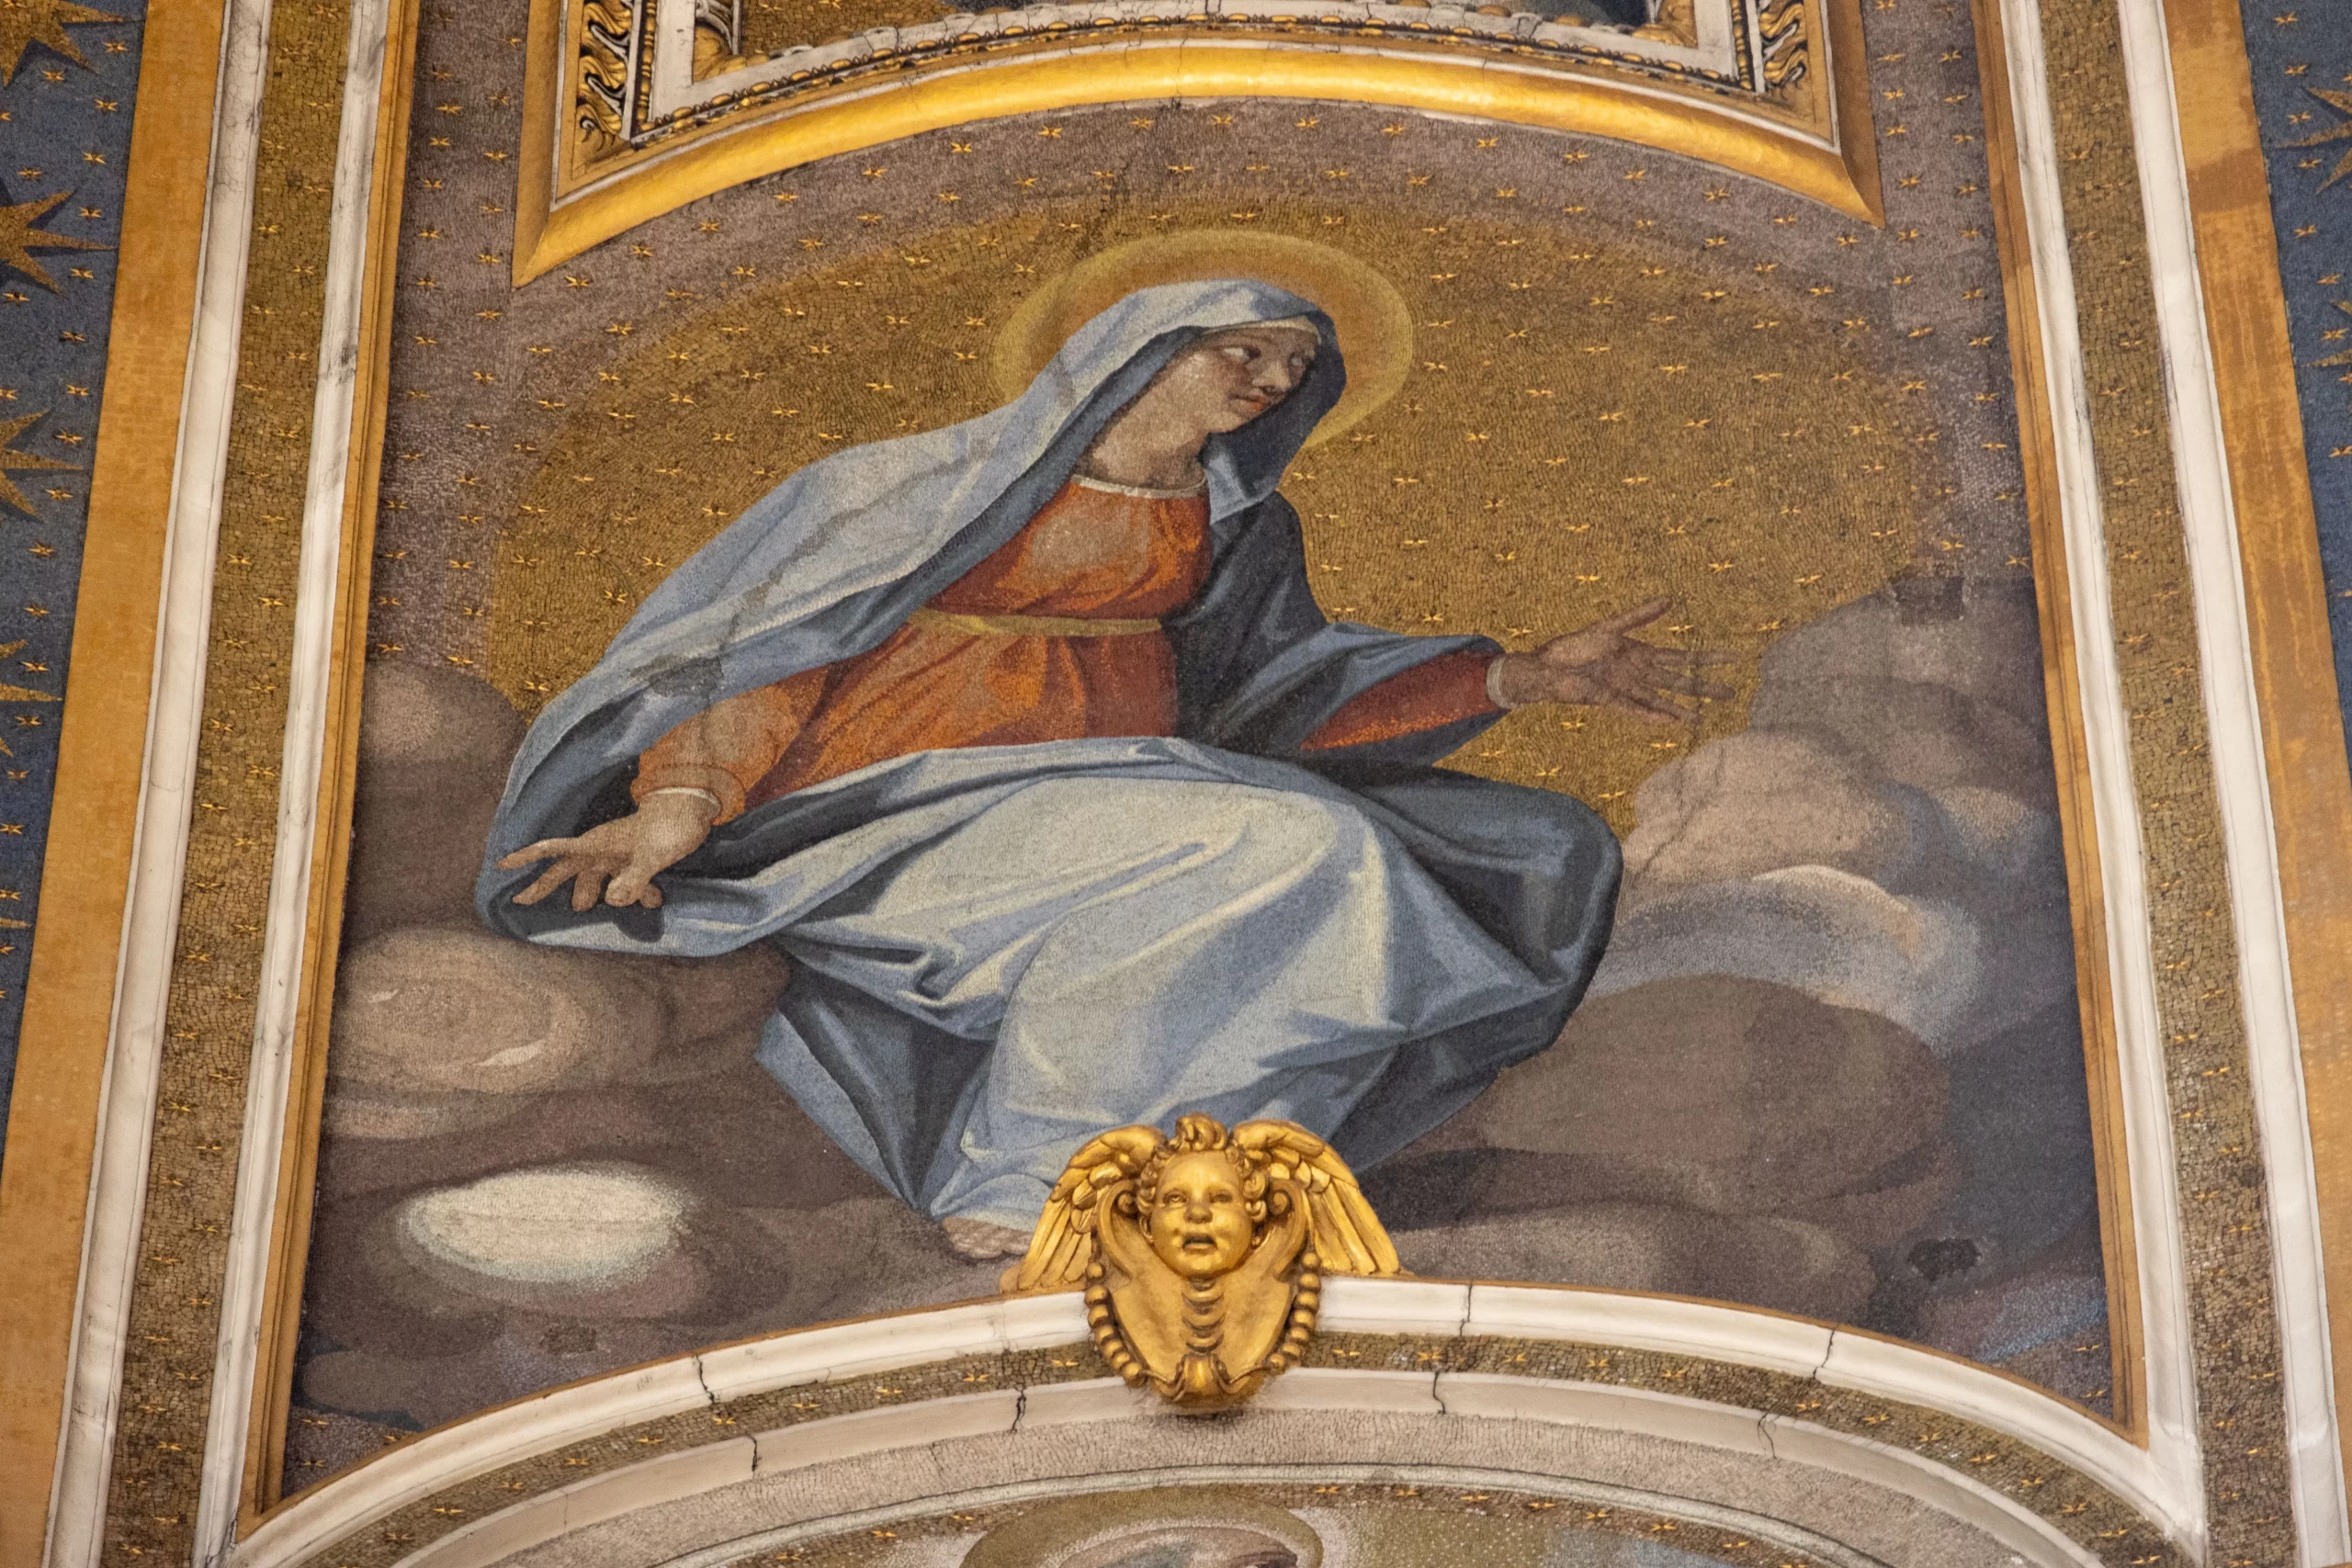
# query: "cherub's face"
{"points": [[1200, 1221], [1231, 377]]}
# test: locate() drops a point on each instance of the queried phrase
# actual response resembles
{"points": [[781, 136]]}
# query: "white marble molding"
{"points": [[1778, 1533], [310, 696], [418, 1470], [2151, 1173]]}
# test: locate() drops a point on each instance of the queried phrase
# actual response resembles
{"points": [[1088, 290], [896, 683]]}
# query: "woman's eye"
{"points": [[1238, 353]]}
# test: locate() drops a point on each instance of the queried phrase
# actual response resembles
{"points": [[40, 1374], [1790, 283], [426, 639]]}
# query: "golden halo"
{"points": [[1374, 327]]}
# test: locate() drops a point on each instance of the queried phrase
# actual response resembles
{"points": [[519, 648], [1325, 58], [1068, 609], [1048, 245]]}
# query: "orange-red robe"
{"points": [[999, 657]]}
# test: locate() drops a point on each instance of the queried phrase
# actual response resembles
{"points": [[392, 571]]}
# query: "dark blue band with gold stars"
{"points": [[2302, 54], [67, 75]]}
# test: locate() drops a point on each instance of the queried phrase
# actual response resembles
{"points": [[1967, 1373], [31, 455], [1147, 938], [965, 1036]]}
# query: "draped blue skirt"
{"points": [[1001, 950]]}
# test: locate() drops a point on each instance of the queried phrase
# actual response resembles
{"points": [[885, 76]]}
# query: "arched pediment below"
{"points": [[636, 107], [1710, 1422]]}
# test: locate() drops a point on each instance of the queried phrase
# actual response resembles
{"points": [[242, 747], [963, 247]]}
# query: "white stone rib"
{"points": [[468, 1448], [416, 1469], [2148, 1165], [309, 695], [1460, 1477]]}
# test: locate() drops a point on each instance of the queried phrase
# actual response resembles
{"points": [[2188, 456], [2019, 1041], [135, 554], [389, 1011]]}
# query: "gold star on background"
{"points": [[18, 237], [11, 460], [2340, 102], [23, 23], [21, 694], [2334, 361]]}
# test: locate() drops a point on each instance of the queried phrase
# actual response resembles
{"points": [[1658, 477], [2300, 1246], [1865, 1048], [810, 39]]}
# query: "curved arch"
{"points": [[552, 224], [410, 1476], [1698, 1466], [1779, 1533]]}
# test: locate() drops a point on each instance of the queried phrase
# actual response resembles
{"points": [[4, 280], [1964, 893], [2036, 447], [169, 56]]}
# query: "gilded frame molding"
{"points": [[290, 1228], [569, 200]]}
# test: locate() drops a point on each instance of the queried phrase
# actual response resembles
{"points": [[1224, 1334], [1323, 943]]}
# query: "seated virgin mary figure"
{"points": [[1025, 740]]}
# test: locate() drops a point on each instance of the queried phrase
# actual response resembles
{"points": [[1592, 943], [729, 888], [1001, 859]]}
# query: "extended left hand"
{"points": [[1601, 666]]}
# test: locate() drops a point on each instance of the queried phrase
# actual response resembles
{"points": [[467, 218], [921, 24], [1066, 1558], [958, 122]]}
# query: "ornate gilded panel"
{"points": [[709, 92]]}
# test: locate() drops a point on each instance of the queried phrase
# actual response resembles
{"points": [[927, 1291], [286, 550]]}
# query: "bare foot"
{"points": [[980, 1240]]}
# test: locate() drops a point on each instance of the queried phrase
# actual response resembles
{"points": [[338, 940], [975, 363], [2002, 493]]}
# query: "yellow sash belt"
{"points": [[1030, 626]]}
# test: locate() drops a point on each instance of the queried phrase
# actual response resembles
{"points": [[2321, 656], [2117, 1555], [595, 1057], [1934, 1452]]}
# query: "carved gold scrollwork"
{"points": [[606, 100], [718, 32], [600, 108], [1676, 22], [724, 17], [1786, 40], [1203, 1255]]}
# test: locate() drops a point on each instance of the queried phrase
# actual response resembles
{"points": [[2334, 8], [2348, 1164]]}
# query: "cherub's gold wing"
{"points": [[1063, 1243], [1349, 1238]]}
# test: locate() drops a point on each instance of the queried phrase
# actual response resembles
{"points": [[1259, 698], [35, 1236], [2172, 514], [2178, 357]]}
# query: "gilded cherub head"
{"points": [[1202, 1254], [1202, 1200]]}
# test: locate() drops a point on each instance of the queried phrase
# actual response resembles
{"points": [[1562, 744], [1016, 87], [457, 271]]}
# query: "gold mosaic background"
{"points": [[1591, 422], [1631, 372]]}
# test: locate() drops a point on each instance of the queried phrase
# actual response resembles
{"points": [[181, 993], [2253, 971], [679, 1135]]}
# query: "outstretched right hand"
{"points": [[618, 861]]}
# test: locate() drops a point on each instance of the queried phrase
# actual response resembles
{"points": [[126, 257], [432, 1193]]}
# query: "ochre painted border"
{"points": [[2085, 884], [85, 878], [264, 1458], [548, 232], [2294, 667]]}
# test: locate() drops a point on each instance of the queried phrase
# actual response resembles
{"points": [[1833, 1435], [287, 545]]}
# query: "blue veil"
{"points": [[1417, 930], [834, 559]]}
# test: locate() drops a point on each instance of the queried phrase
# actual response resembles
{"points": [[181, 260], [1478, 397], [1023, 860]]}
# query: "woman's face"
{"points": [[1231, 377]]}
